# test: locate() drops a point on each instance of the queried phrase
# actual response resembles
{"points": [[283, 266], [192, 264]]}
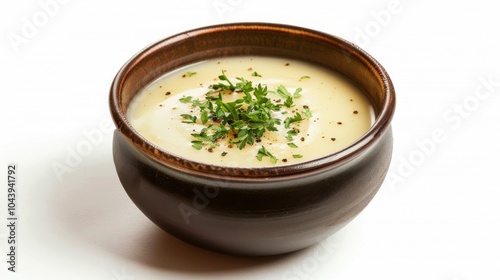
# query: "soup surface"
{"points": [[196, 114]]}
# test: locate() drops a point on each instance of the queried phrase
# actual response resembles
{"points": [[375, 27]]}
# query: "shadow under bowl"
{"points": [[252, 211]]}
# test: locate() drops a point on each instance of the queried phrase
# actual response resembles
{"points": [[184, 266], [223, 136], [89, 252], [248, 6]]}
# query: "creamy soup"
{"points": [[314, 112]]}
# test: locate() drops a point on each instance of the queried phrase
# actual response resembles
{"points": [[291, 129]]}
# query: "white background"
{"points": [[437, 215]]}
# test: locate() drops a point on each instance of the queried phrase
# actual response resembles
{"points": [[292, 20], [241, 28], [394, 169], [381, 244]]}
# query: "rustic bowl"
{"points": [[252, 211]]}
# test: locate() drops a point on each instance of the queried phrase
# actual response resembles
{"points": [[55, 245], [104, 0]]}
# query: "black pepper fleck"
{"points": [[333, 139], [339, 123], [210, 149], [168, 93], [223, 154], [355, 112], [284, 160]]}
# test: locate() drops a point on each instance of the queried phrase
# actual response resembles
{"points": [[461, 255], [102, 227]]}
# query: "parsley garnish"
{"points": [[188, 118], [290, 134], [307, 112], [296, 118], [263, 152], [292, 145], [245, 120], [186, 99]]}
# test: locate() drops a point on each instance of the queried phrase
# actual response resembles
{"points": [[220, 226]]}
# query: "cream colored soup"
{"points": [[339, 112]]}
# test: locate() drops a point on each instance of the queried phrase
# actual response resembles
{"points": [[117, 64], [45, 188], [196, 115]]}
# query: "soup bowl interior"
{"points": [[252, 211]]}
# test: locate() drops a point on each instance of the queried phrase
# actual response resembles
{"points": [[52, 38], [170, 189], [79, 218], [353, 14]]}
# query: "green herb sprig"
{"points": [[244, 120]]}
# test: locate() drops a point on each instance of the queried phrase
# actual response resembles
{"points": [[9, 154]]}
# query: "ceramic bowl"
{"points": [[252, 211]]}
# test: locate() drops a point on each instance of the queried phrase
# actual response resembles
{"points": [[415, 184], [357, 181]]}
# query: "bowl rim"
{"points": [[169, 160]]}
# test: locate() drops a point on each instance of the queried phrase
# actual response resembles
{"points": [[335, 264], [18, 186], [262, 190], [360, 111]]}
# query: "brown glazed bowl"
{"points": [[252, 211]]}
